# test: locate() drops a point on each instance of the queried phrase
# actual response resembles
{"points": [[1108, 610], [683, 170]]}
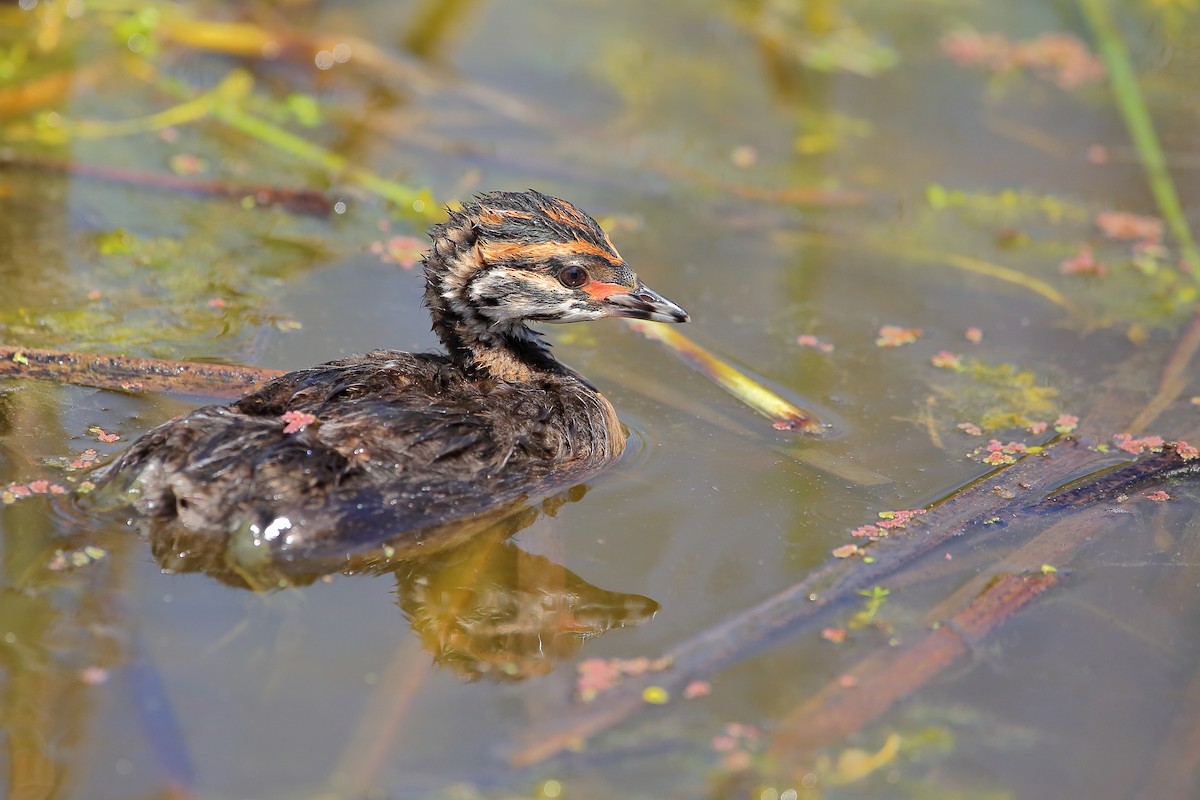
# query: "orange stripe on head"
{"points": [[497, 216], [543, 251], [566, 214]]}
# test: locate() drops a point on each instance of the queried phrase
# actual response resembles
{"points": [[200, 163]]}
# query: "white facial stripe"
{"points": [[526, 295]]}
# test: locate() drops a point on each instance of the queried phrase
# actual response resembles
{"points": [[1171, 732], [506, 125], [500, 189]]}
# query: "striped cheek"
{"points": [[506, 297]]}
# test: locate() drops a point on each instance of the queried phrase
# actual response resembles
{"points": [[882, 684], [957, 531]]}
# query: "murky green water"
{"points": [[766, 164]]}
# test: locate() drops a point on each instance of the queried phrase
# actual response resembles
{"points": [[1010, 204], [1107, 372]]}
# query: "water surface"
{"points": [[779, 169]]}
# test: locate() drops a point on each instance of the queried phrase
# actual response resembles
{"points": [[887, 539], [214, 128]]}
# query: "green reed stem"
{"points": [[237, 85], [414, 201], [1141, 128]]}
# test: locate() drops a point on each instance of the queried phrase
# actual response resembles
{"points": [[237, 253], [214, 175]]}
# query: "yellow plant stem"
{"points": [[1001, 273], [784, 414]]}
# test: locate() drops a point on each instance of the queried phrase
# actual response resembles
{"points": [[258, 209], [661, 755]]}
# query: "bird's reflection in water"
{"points": [[480, 604]]}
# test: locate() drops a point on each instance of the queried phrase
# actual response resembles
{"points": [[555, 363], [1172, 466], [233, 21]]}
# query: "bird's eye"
{"points": [[573, 276]]}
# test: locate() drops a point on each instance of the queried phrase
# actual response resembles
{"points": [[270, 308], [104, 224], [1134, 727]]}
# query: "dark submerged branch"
{"points": [[128, 374]]}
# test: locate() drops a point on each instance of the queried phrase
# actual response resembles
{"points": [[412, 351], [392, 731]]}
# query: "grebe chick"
{"points": [[401, 443]]}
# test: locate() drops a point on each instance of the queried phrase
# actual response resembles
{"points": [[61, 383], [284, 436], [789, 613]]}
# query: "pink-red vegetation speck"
{"points": [[1059, 57], [1130, 227], [835, 635], [85, 460], [998, 454], [738, 761], [1159, 497], [736, 744], [973, 335], [103, 435], [1186, 451], [697, 689], [888, 521], [944, 359], [187, 164], [403, 250], [1066, 423], [596, 675], [893, 520], [723, 743], [1137, 446], [1082, 263], [968, 48], [93, 676], [1097, 154], [1038, 428], [970, 428], [896, 336], [20, 491], [297, 421], [810, 341]]}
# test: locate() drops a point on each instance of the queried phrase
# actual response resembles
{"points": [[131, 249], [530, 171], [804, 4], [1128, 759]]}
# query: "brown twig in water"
{"points": [[1175, 772], [973, 611], [878, 682], [375, 738], [132, 374], [309, 202], [1153, 467], [1175, 375]]}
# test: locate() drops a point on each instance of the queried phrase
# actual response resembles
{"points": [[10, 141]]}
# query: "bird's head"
{"points": [[513, 257]]}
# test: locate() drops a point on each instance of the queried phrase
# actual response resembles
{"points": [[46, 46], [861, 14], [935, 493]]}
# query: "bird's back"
{"points": [[397, 443]]}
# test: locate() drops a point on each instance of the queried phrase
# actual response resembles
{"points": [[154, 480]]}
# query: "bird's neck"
{"points": [[514, 353], [476, 345]]}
